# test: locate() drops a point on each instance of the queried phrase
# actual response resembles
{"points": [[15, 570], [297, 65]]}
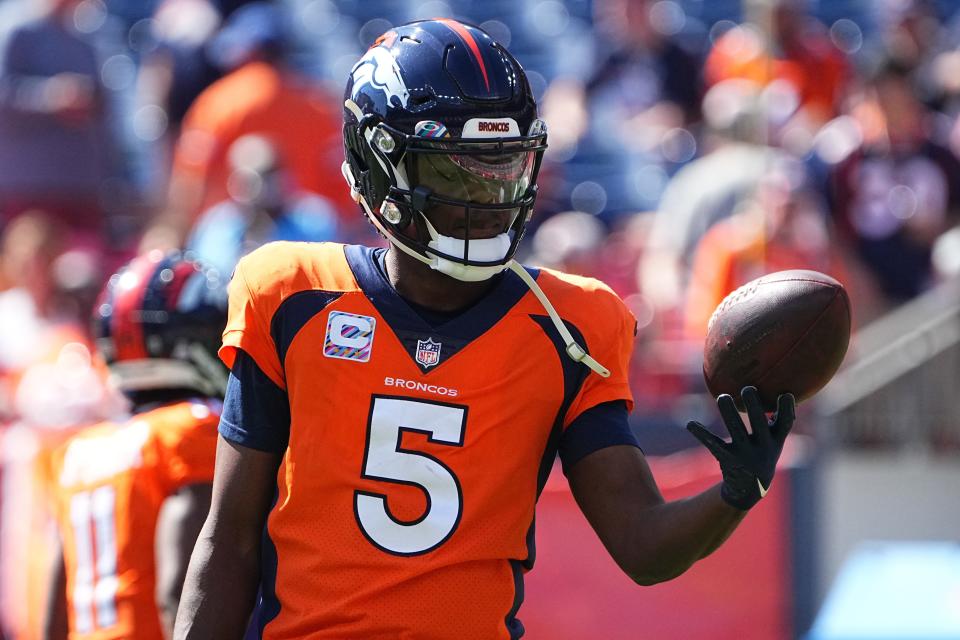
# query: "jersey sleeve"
{"points": [[248, 325], [599, 427], [187, 448], [256, 413], [609, 338]]}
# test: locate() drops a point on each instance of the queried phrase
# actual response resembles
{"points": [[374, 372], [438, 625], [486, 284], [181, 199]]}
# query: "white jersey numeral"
{"points": [[385, 460], [95, 538]]}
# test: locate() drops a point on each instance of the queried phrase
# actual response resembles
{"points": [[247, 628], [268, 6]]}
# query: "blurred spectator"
{"points": [[622, 128], [909, 31], [264, 205], [569, 241], [644, 81], [175, 71], [28, 248], [781, 41], [56, 149], [912, 36], [578, 242], [784, 226], [900, 189], [44, 293], [712, 187], [262, 95]]}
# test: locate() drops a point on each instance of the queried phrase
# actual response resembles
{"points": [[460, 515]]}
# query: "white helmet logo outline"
{"points": [[379, 69]]}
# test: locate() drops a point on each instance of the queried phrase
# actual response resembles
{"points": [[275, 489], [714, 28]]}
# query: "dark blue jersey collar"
{"points": [[456, 331]]}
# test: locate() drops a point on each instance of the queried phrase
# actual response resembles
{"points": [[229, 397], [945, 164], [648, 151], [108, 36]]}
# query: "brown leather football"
{"points": [[784, 332]]}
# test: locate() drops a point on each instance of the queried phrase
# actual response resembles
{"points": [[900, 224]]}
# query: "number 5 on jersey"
{"points": [[385, 460]]}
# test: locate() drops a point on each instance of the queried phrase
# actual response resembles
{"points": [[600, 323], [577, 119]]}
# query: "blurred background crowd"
{"points": [[694, 146]]}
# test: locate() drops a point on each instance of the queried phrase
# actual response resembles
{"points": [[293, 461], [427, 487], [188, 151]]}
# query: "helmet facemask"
{"points": [[470, 199]]}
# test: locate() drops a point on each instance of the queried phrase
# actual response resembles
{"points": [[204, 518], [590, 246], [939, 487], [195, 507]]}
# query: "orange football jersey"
{"points": [[416, 453], [110, 482]]}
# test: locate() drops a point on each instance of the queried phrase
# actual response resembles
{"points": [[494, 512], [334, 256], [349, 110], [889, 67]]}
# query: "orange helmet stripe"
{"points": [[464, 34]]}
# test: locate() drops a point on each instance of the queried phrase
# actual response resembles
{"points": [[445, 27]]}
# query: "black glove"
{"points": [[749, 461]]}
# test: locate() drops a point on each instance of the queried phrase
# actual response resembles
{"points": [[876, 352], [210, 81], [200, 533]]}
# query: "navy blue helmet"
{"points": [[443, 145], [158, 325]]}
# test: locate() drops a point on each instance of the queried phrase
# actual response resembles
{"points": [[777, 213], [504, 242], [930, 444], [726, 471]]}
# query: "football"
{"points": [[784, 332]]}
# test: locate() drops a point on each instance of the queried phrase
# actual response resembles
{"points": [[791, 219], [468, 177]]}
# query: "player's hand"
{"points": [[748, 462]]}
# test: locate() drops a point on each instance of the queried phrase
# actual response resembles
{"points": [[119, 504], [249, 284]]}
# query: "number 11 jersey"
{"points": [[111, 481]]}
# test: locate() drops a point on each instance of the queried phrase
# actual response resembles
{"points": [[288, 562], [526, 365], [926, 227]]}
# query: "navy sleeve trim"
{"points": [[599, 427], [256, 412], [574, 374]]}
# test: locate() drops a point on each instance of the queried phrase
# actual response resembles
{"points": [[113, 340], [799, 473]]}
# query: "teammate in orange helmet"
{"points": [[131, 496], [392, 415]]}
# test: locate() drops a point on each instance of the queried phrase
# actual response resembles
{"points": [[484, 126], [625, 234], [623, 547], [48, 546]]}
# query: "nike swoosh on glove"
{"points": [[749, 460]]}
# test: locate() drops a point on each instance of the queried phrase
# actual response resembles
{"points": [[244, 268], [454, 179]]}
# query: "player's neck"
{"points": [[421, 285]]}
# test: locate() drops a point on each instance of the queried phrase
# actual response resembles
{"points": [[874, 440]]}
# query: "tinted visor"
{"points": [[495, 178]]}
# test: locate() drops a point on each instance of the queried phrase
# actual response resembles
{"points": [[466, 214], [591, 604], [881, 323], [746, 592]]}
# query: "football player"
{"points": [[131, 496], [392, 415]]}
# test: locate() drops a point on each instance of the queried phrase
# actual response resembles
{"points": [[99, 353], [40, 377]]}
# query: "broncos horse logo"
{"points": [[378, 69]]}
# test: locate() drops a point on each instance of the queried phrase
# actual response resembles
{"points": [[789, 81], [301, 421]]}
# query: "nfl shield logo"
{"points": [[428, 352]]}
